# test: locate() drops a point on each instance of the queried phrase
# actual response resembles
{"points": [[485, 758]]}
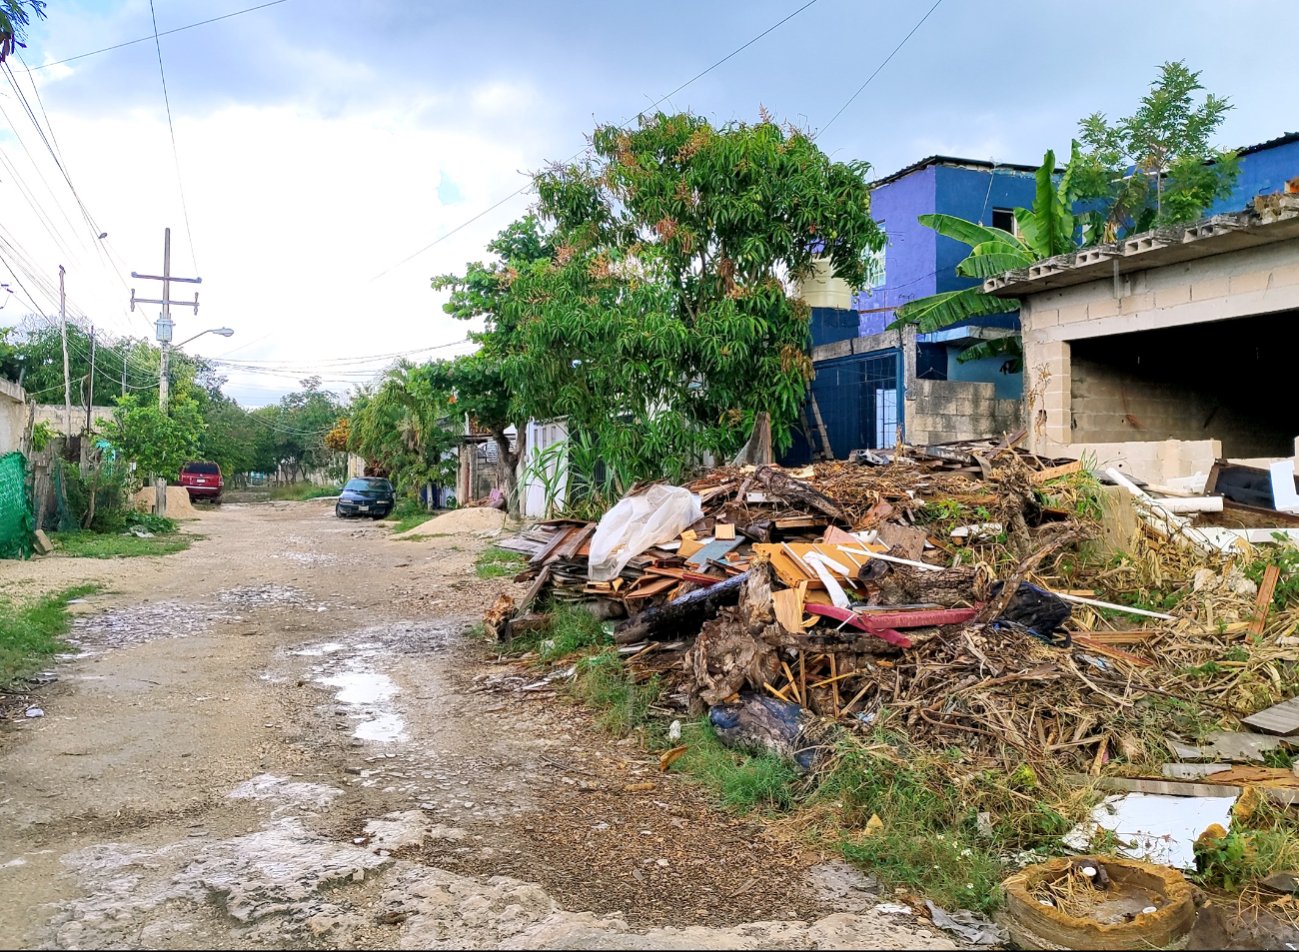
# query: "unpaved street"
{"points": [[285, 736]]}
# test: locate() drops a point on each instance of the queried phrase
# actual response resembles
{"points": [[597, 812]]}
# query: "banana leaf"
{"points": [[966, 232], [988, 265], [948, 309], [1012, 347]]}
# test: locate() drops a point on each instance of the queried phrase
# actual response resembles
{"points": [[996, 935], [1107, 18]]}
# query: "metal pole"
{"points": [[67, 381]]}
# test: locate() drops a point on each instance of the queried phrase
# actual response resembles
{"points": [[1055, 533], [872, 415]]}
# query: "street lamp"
{"points": [[164, 336], [223, 331]]}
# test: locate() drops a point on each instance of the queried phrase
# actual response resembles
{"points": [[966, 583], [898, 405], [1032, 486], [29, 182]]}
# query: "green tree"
{"points": [[159, 444], [405, 427], [293, 432], [1158, 166], [15, 17], [659, 322], [1045, 230], [482, 381], [230, 437]]}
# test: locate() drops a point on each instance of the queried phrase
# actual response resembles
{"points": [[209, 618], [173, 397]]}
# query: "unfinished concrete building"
{"points": [[1168, 350]]}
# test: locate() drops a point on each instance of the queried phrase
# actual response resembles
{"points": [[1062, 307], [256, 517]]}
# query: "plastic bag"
{"points": [[659, 514]]}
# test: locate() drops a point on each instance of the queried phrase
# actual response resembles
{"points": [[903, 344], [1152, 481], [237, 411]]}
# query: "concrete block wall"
{"points": [[1072, 406], [940, 411], [1108, 405], [13, 416]]}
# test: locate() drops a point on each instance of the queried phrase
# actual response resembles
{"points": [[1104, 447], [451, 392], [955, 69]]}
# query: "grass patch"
{"points": [[741, 782], [94, 545], [622, 706], [33, 631], [498, 563], [301, 491], [408, 515], [931, 838], [1263, 840]]}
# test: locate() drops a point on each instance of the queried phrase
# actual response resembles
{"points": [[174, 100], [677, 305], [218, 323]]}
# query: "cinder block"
{"points": [[1173, 296], [1285, 274], [1073, 313], [1250, 281], [1102, 307], [1135, 303], [1206, 289]]}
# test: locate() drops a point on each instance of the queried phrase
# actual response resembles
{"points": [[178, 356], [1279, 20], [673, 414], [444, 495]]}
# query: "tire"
{"points": [[338, 512]]}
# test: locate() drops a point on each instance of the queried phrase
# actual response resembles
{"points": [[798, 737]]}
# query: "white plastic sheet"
{"points": [[658, 515]]}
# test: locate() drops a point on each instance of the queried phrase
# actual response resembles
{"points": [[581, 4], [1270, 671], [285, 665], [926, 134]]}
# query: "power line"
{"points": [[175, 153], [658, 102], [156, 34], [860, 88]]}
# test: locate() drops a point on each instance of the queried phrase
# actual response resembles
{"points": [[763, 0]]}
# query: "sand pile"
{"points": [[459, 521], [178, 504]]}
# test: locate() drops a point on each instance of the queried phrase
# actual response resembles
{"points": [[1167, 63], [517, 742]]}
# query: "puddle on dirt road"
{"points": [[371, 692]]}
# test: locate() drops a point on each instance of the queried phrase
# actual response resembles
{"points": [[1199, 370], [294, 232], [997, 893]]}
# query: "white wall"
{"points": [[539, 437], [13, 416]]}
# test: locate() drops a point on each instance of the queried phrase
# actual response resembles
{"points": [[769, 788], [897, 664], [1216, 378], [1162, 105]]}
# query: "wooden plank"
{"points": [[715, 549], [1263, 603], [1281, 719], [1109, 652], [1055, 472], [1173, 788], [655, 586], [724, 531]]}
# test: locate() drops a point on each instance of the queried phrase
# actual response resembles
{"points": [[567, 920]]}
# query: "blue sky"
{"points": [[322, 142]]}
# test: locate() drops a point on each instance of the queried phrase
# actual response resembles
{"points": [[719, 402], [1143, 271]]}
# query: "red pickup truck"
{"points": [[202, 481]]}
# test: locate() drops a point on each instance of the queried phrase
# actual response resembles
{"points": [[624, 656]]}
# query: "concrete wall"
{"points": [[13, 416], [940, 411], [1216, 289], [55, 415]]}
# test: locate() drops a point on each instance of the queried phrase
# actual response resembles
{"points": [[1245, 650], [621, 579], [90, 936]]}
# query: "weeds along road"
{"points": [[286, 736]]}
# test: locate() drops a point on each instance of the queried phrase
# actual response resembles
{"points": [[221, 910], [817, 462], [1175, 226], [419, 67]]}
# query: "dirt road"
{"points": [[286, 737]]}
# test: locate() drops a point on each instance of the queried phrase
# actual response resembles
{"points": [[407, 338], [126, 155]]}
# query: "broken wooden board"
{"points": [[850, 617], [1256, 777], [788, 559], [788, 604], [1263, 603], [724, 531], [1054, 472], [1281, 719], [906, 542]]}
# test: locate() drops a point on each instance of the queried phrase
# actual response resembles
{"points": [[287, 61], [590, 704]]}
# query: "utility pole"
{"points": [[90, 392], [164, 335], [67, 382]]}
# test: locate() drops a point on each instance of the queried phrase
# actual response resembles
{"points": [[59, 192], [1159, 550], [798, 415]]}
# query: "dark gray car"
{"points": [[367, 496]]}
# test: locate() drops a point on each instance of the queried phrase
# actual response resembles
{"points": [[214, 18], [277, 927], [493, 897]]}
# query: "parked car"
{"points": [[202, 480], [366, 496]]}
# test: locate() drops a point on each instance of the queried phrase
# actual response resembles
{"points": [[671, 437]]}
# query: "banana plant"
{"points": [[1045, 230]]}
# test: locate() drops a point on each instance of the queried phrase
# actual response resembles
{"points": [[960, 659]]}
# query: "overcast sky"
{"points": [[321, 143]]}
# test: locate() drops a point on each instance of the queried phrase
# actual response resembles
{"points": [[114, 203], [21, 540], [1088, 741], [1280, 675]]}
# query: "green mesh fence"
{"points": [[15, 508]]}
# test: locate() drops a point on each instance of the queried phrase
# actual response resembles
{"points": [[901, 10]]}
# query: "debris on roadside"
{"points": [[972, 602]]}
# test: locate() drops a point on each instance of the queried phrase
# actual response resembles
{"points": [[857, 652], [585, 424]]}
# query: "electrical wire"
{"points": [[175, 153], [156, 34], [523, 188], [863, 86]]}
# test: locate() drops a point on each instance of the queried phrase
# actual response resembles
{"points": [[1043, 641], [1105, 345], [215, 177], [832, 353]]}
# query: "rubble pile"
{"points": [[936, 593]]}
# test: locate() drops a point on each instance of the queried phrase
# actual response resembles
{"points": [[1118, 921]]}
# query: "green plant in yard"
{"points": [[299, 492], [741, 782], [572, 628], [931, 838], [31, 632], [498, 563], [622, 705], [408, 514], [1285, 556], [1259, 844], [95, 545]]}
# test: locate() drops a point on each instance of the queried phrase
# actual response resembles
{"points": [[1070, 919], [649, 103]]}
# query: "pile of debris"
{"points": [[931, 592]]}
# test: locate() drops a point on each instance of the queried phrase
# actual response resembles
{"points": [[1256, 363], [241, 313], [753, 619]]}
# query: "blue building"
{"points": [[875, 387]]}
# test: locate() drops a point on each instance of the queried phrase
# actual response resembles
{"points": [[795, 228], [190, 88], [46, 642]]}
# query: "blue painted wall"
{"points": [[909, 253], [831, 324], [1261, 173]]}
